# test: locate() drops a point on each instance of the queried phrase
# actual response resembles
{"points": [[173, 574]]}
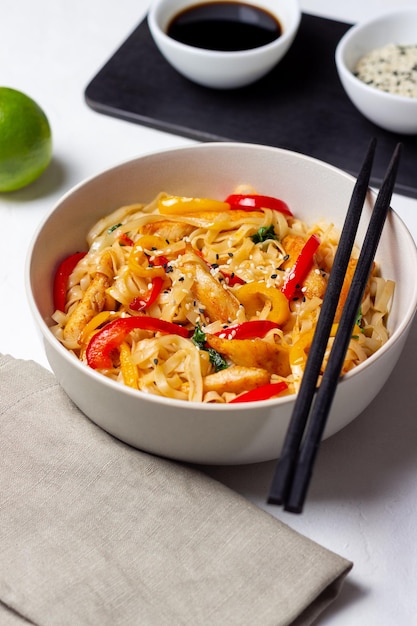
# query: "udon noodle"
{"points": [[191, 299]]}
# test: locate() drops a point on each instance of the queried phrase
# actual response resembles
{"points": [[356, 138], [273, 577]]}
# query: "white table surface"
{"points": [[363, 498]]}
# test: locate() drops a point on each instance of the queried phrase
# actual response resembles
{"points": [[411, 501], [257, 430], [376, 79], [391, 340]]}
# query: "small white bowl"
{"points": [[197, 432], [389, 111], [218, 69]]}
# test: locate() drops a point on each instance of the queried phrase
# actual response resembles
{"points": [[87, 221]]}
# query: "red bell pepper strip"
{"points": [[124, 240], [247, 330], [158, 261], [250, 202], [110, 337], [301, 267], [143, 303], [232, 279], [265, 392], [64, 271]]}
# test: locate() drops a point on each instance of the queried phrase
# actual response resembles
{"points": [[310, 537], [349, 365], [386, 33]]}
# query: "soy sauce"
{"points": [[226, 26]]}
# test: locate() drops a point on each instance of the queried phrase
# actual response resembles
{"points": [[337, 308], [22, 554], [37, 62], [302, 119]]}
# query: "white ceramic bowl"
{"points": [[389, 111], [196, 432], [216, 69]]}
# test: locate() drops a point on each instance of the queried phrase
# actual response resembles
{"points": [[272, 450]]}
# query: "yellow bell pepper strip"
{"points": [[64, 271], [299, 350], [250, 202], [253, 296], [265, 392], [98, 320], [144, 264], [301, 267], [128, 368], [111, 336], [247, 330], [141, 303], [176, 205]]}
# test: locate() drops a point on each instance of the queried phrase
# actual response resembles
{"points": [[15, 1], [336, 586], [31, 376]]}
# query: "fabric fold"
{"points": [[94, 532]]}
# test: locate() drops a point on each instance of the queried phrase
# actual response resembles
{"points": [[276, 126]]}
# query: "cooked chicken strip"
{"points": [[92, 302], [167, 229], [219, 303], [236, 379], [253, 353]]}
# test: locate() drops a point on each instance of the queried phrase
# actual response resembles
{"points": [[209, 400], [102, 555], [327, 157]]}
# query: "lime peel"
{"points": [[25, 140]]}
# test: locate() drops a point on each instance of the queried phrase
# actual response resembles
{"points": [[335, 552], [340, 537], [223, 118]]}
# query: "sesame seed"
{"points": [[391, 68]]}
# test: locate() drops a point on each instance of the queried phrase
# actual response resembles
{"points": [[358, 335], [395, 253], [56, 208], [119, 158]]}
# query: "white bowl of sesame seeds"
{"points": [[377, 65]]}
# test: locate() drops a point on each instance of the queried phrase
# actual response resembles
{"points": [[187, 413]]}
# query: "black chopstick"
{"points": [[286, 463], [294, 468]]}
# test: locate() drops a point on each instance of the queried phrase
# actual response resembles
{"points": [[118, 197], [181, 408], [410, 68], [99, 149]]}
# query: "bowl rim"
{"points": [[348, 39], [46, 333], [158, 33]]}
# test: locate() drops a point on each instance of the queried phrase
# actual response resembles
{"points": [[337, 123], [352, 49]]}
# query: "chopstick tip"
{"points": [[274, 500], [298, 509]]}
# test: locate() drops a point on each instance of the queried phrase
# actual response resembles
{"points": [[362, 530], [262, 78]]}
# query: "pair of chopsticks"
{"points": [[295, 465]]}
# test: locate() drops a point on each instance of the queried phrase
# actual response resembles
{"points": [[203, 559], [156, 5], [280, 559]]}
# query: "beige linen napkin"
{"points": [[93, 532]]}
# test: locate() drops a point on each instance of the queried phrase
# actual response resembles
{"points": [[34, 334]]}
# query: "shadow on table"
{"points": [[52, 179], [380, 445]]}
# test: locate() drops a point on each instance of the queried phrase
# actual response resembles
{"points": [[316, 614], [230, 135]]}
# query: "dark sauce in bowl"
{"points": [[225, 26]]}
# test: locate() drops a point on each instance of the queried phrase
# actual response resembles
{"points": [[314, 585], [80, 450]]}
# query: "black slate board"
{"points": [[299, 106]]}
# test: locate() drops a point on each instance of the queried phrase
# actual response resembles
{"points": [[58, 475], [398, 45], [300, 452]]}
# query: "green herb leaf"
{"points": [[263, 234], [359, 319], [112, 228], [216, 359], [199, 337]]}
